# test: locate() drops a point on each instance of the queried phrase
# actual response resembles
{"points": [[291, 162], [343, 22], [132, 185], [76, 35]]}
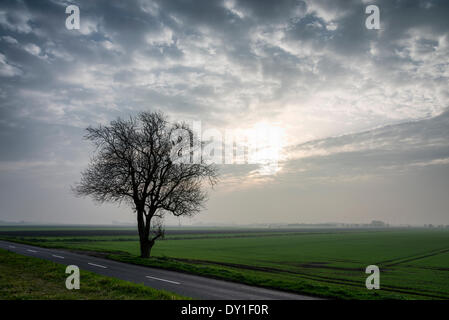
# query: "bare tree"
{"points": [[137, 161]]}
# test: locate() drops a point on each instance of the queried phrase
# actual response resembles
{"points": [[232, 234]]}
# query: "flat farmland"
{"points": [[414, 263]]}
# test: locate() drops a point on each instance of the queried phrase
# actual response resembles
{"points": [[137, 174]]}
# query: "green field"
{"points": [[414, 263], [32, 278]]}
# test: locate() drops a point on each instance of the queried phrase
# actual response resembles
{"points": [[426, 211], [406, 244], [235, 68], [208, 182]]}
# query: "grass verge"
{"points": [[27, 278]]}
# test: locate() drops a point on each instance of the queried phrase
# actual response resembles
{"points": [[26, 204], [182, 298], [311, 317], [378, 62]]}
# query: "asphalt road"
{"points": [[184, 284]]}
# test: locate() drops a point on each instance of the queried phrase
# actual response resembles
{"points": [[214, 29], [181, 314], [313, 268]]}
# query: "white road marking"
{"points": [[11, 246], [174, 282], [96, 265], [54, 255], [31, 250]]}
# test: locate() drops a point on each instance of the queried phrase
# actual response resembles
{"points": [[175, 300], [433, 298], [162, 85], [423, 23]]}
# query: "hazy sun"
{"points": [[265, 142]]}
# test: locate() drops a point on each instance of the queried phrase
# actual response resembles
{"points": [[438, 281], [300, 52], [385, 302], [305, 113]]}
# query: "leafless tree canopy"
{"points": [[135, 162]]}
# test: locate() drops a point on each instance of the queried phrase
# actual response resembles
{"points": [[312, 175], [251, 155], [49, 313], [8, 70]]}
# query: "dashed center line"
{"points": [[104, 267], [97, 265], [154, 278]]}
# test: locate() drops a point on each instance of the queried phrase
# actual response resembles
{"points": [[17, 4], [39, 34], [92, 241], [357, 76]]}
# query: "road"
{"points": [[181, 283]]}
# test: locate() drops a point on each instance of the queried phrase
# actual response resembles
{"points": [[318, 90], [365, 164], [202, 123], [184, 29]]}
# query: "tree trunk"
{"points": [[145, 244], [145, 248], [144, 226]]}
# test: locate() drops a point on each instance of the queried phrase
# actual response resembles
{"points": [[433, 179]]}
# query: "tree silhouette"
{"points": [[142, 161]]}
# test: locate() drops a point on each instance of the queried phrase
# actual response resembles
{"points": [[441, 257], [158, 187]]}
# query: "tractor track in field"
{"points": [[395, 262], [390, 288]]}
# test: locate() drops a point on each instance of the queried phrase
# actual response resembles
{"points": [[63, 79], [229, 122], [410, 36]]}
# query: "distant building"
{"points": [[378, 224]]}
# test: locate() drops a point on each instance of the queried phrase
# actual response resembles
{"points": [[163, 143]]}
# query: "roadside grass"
{"points": [[28, 278]]}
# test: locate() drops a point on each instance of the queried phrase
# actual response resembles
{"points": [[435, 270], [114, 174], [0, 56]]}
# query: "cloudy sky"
{"points": [[363, 113]]}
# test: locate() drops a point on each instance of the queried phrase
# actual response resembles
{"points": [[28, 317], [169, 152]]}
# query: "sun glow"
{"points": [[265, 142]]}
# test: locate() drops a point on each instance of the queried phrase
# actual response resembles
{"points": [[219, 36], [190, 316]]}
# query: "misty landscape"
{"points": [[224, 150]]}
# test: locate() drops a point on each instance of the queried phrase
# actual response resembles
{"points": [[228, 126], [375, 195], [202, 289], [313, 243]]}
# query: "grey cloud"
{"points": [[305, 64], [388, 149]]}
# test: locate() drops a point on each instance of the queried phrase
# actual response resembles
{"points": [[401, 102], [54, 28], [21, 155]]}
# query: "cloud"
{"points": [[9, 39], [310, 66], [6, 69], [269, 58], [17, 21], [32, 49], [382, 151]]}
